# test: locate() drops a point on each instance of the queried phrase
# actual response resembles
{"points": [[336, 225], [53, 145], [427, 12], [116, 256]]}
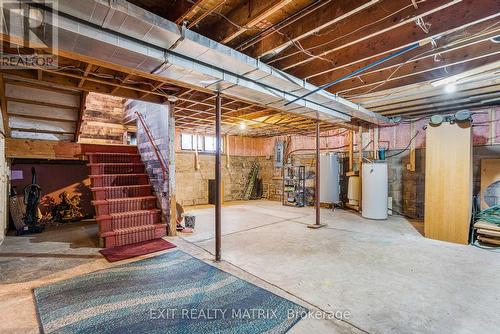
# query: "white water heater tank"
{"points": [[375, 190], [330, 178]]}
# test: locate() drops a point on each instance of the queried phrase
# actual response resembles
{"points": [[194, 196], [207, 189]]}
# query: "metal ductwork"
{"points": [[118, 32]]}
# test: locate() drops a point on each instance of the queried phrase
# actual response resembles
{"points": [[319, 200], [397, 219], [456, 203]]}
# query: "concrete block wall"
{"points": [[156, 119]]}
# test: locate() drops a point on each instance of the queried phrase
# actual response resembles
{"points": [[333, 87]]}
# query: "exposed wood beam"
{"points": [[447, 109], [40, 117], [247, 16], [91, 84], [383, 19], [486, 50], [189, 12], [37, 84], [43, 131], [327, 15], [81, 112], [205, 13], [3, 105], [443, 105], [154, 89], [437, 97], [453, 41], [85, 75], [211, 113], [122, 83], [421, 91], [451, 19], [432, 74], [40, 103]]}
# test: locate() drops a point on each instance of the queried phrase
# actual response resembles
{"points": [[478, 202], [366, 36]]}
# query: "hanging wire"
{"points": [[406, 148]]}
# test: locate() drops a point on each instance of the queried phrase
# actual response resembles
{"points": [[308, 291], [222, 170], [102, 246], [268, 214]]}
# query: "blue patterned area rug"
{"points": [[169, 293]]}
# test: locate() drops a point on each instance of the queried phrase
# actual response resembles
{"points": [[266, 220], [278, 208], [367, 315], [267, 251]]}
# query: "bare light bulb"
{"points": [[450, 88]]}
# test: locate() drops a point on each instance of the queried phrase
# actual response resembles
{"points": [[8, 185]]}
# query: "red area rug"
{"points": [[119, 253]]}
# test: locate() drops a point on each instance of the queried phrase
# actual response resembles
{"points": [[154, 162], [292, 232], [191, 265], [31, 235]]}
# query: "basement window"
{"points": [[209, 144], [204, 144], [187, 142]]}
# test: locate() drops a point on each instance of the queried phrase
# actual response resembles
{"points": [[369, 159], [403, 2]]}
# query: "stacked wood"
{"points": [[102, 121], [488, 232]]}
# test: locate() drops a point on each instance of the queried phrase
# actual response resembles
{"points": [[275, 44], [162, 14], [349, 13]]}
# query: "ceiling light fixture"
{"points": [[243, 126], [495, 39], [463, 115], [436, 120], [450, 88], [172, 98]]}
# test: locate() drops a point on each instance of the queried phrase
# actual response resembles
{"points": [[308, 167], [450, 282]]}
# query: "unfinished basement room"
{"points": [[250, 166]]}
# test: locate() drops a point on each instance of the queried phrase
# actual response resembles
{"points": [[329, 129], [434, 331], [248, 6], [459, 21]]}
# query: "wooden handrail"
{"points": [[155, 147]]}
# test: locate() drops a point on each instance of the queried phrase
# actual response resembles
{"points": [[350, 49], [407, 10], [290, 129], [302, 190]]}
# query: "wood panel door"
{"points": [[448, 182]]}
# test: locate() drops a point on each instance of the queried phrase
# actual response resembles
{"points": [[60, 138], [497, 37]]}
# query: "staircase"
{"points": [[126, 209]]}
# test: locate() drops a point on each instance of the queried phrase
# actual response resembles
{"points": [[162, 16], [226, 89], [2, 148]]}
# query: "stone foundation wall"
{"points": [[192, 184]]}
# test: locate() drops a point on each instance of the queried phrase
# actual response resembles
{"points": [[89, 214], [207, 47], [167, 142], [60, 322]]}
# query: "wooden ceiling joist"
{"points": [[326, 15], [450, 19]]}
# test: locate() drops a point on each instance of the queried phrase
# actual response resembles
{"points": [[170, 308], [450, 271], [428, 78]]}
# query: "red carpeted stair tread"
{"points": [[113, 192], [132, 235], [128, 219], [126, 230], [126, 209], [106, 207], [114, 157], [112, 180], [134, 213], [116, 168]]}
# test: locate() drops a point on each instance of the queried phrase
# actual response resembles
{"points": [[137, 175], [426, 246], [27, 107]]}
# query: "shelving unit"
{"points": [[294, 179]]}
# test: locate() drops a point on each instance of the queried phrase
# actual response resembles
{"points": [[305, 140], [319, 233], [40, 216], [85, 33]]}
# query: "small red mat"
{"points": [[118, 253]]}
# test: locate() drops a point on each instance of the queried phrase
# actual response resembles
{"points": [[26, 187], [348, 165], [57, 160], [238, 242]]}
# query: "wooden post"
{"points": [[351, 151], [228, 162], [218, 177], [375, 143], [196, 156], [317, 203], [412, 165], [3, 106], [81, 112]]}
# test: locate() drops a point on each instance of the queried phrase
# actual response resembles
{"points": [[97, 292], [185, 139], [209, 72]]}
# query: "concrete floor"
{"points": [[384, 273]]}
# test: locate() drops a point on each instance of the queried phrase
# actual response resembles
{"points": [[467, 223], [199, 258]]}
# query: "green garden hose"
{"points": [[491, 215]]}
